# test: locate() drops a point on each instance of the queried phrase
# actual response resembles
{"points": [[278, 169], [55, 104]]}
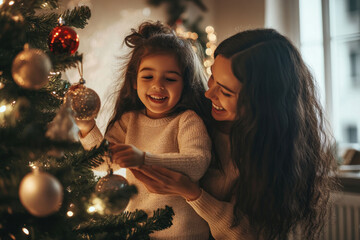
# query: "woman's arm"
{"points": [[218, 214]]}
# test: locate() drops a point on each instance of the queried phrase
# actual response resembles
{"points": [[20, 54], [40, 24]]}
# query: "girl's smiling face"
{"points": [[159, 84], [224, 89]]}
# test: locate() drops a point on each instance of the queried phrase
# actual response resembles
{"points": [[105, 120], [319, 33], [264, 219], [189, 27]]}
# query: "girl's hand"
{"points": [[85, 126], [161, 180], [126, 155]]}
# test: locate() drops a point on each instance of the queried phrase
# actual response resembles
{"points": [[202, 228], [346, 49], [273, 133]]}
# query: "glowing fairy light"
{"points": [[1, 2], [11, 3], [2, 108], [212, 37], [91, 209], [70, 213], [208, 52], [207, 63], [25, 230], [209, 29], [32, 165], [194, 36], [97, 205]]}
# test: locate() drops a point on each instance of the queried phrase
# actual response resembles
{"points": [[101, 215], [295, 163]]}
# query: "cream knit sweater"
{"points": [[215, 204], [178, 142]]}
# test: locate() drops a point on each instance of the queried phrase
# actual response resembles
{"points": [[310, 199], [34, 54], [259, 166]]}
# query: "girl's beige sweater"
{"points": [[178, 142]]}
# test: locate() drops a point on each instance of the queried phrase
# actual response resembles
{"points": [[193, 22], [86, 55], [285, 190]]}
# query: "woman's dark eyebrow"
{"points": [[151, 69], [228, 89]]}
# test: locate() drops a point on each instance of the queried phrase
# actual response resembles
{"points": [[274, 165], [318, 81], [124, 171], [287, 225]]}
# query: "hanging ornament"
{"points": [[63, 126], [116, 190], [63, 39], [40, 193], [30, 68], [84, 101]]}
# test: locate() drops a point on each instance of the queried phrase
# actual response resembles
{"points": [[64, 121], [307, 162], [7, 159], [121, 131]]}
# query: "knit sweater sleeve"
{"points": [[94, 138], [194, 153], [219, 216]]}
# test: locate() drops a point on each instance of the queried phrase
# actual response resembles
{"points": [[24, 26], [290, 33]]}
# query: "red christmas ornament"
{"points": [[63, 39]]}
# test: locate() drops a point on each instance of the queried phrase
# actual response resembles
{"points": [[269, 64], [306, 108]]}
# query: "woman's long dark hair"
{"points": [[156, 38], [279, 141]]}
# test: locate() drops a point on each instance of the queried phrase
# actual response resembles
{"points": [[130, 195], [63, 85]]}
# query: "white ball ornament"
{"points": [[41, 193], [30, 68]]}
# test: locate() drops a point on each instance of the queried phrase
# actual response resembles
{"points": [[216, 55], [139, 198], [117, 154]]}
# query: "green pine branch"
{"points": [[128, 225]]}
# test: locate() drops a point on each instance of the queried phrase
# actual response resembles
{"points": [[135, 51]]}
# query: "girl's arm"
{"points": [[194, 147], [218, 214], [90, 137]]}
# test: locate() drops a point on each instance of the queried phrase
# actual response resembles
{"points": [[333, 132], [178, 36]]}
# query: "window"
{"points": [[330, 44]]}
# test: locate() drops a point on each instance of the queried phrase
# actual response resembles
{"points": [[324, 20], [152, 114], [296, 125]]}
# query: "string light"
{"points": [[1, 2], [210, 48], [210, 45], [97, 205], [209, 29], [25, 230], [11, 3], [91, 209], [32, 165], [3, 108], [70, 214]]}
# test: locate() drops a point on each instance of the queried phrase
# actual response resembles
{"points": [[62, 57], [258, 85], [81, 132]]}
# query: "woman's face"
{"points": [[224, 89]]}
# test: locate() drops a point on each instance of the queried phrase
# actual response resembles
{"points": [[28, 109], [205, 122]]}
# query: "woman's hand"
{"points": [[161, 180], [126, 155]]}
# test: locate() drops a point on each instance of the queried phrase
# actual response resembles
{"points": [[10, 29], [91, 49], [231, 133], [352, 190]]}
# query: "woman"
{"points": [[272, 167]]}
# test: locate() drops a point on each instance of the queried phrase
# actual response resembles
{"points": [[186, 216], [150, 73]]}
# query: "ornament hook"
{"points": [[81, 72]]}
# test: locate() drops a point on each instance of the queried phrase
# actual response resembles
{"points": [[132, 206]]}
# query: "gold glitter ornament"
{"points": [[30, 68], [41, 193], [84, 101]]}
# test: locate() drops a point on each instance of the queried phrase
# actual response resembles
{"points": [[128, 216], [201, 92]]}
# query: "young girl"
{"points": [[155, 122]]}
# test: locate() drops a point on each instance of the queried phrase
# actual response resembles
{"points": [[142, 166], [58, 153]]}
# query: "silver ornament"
{"points": [[30, 68], [40, 193], [115, 185]]}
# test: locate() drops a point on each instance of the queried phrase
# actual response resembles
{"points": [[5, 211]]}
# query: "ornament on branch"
{"points": [[114, 190], [41, 193], [63, 126], [63, 39], [30, 68], [85, 102]]}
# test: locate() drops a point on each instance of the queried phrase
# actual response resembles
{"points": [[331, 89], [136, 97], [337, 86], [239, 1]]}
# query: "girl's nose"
{"points": [[158, 84]]}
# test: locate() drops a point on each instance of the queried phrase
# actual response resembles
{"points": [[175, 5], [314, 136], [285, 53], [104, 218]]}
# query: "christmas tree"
{"points": [[47, 187]]}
